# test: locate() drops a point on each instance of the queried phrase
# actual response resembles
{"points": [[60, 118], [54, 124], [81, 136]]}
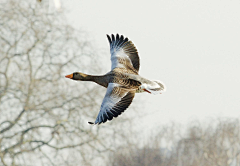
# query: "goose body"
{"points": [[122, 82]]}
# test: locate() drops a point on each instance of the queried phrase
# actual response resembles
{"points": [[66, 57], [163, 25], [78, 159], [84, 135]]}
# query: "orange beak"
{"points": [[69, 76]]}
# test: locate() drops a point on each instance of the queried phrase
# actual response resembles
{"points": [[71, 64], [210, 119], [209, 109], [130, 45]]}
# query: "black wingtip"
{"points": [[109, 39], [117, 36], [91, 123], [113, 38]]}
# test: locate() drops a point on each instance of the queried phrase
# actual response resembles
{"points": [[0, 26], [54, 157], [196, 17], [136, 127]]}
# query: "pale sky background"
{"points": [[192, 46]]}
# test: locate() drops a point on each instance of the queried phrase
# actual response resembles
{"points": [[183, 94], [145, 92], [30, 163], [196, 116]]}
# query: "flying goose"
{"points": [[122, 82]]}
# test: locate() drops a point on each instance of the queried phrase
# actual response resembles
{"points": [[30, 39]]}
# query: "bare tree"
{"points": [[215, 144], [43, 117]]}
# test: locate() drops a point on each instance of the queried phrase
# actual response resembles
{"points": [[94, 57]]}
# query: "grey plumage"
{"points": [[122, 82]]}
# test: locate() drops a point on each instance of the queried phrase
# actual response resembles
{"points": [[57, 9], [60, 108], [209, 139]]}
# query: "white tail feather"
{"points": [[156, 88]]}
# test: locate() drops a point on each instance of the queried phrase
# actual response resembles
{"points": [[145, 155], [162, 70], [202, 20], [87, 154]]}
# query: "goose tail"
{"points": [[159, 88]]}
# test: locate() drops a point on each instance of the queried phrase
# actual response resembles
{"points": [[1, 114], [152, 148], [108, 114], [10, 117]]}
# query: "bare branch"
{"points": [[14, 122]]}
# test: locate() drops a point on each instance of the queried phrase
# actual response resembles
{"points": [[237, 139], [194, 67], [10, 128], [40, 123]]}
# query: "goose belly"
{"points": [[140, 90]]}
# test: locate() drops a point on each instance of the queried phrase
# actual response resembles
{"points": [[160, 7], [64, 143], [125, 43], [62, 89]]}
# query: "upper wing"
{"points": [[116, 100], [123, 53]]}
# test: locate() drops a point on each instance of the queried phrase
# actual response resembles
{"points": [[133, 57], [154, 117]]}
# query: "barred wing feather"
{"points": [[116, 101], [123, 53]]}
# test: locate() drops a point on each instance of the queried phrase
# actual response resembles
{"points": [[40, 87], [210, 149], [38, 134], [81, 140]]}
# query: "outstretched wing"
{"points": [[116, 101], [123, 53]]}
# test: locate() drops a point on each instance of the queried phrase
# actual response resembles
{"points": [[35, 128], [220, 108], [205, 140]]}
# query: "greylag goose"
{"points": [[122, 82]]}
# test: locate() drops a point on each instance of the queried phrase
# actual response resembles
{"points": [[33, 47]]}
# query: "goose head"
{"points": [[77, 76]]}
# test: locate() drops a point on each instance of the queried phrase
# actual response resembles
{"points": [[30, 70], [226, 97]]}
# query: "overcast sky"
{"points": [[192, 46]]}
